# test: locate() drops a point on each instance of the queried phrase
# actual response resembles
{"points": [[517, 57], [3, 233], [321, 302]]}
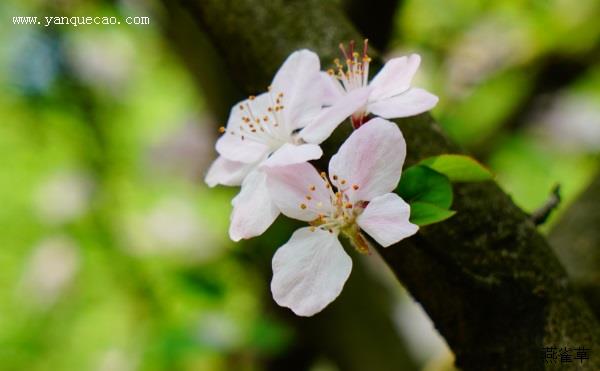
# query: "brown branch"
{"points": [[487, 278], [576, 240], [374, 19], [541, 214]]}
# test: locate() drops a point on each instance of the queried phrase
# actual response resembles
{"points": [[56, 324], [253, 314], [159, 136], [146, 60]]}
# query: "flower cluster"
{"points": [[266, 148]]}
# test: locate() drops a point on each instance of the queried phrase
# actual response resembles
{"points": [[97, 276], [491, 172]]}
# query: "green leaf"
{"points": [[422, 184], [423, 213], [458, 168]]}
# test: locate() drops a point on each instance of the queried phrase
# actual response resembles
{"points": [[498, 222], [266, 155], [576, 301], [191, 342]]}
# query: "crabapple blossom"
{"points": [[390, 94], [309, 271], [283, 126]]}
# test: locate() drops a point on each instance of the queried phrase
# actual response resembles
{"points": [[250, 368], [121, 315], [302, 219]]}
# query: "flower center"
{"points": [[354, 75], [339, 216], [342, 213], [262, 121]]}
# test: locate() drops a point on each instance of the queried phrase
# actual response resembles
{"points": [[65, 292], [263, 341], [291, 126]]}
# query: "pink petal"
{"points": [[297, 79], [233, 148], [226, 172], [252, 148], [309, 271], [332, 89], [386, 219], [410, 103], [253, 210], [291, 188], [329, 119], [370, 160], [293, 154], [395, 77]]}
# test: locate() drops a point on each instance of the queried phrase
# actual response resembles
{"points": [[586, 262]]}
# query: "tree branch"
{"points": [[576, 240], [486, 277], [374, 19]]}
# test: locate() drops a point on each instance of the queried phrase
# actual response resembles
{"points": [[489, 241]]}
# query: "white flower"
{"points": [[390, 94], [280, 127], [310, 270]]}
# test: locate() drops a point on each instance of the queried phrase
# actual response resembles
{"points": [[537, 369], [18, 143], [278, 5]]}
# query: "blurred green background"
{"points": [[113, 253]]}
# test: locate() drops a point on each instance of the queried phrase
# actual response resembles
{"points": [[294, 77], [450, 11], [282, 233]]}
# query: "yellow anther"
{"points": [[343, 181], [303, 206], [222, 129], [308, 197], [348, 205], [252, 97]]}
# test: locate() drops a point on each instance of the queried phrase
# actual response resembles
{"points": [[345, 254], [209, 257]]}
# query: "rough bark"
{"points": [[576, 240], [373, 18], [487, 278]]}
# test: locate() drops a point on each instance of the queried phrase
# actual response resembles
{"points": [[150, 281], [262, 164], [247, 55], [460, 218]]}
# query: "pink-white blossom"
{"points": [[280, 127], [310, 270], [390, 94]]}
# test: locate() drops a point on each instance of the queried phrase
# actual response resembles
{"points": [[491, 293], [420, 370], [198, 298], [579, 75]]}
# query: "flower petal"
{"points": [[298, 191], [332, 89], [394, 77], [234, 145], [296, 79], [386, 219], [329, 118], [226, 172], [410, 103], [370, 161], [253, 210], [234, 148], [309, 271], [293, 154]]}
